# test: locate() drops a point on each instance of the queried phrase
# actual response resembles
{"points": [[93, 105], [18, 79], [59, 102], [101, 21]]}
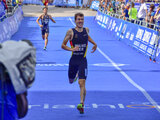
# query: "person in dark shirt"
{"points": [[78, 38], [45, 25], [125, 13]]}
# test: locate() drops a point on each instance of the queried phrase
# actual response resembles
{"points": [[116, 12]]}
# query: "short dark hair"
{"points": [[132, 4], [78, 14], [45, 8], [152, 6]]}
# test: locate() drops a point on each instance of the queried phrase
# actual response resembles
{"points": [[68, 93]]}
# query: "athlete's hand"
{"points": [[75, 48], [94, 48], [41, 26]]}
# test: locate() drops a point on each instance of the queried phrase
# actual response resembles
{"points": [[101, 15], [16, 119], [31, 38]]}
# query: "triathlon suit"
{"points": [[78, 61], [45, 23]]}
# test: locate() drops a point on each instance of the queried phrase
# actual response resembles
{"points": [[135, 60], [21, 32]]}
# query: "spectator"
{"points": [[157, 18], [105, 6], [110, 9], [128, 6], [125, 13], [142, 11], [132, 13], [46, 3], [114, 6], [18, 2], [101, 4], [84, 3], [14, 3], [2, 11], [122, 8], [10, 7], [150, 15], [5, 5], [77, 3]]}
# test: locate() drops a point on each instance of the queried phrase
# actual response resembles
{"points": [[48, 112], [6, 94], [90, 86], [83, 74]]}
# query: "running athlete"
{"points": [[45, 25], [78, 38]]}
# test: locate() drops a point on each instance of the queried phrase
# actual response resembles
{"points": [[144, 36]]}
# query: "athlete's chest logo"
{"points": [[76, 36], [85, 35]]}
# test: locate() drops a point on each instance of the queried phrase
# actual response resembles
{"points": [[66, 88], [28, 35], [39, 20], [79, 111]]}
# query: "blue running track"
{"points": [[122, 84]]}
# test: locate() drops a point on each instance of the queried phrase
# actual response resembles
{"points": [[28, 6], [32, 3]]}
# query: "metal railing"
{"points": [[9, 13], [135, 21]]}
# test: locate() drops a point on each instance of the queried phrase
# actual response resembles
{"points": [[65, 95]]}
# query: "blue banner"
{"points": [[56, 2], [35, 2], [141, 38], [95, 5], [10, 25]]}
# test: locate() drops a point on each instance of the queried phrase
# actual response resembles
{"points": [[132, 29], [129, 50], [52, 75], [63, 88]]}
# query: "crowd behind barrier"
{"points": [[2, 11], [10, 25], [144, 40], [61, 3], [131, 10], [96, 3], [34, 2]]}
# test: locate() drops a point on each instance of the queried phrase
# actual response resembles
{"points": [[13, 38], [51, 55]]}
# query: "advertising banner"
{"points": [[143, 39], [10, 25]]}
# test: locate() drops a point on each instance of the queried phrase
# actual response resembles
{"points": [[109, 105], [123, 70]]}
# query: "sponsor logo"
{"points": [[139, 34], [153, 39], [132, 36], [127, 35], [143, 47], [110, 24], [46, 106], [120, 27], [113, 25], [99, 17], [136, 43], [107, 19], [158, 50], [149, 50], [116, 29], [124, 28], [95, 5], [62, 65], [146, 36]]}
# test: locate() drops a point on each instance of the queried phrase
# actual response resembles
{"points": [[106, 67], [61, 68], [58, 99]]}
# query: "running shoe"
{"points": [[80, 107], [44, 48]]}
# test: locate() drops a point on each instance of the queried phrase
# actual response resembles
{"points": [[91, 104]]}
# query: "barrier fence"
{"points": [[58, 2], [10, 25], [144, 40]]}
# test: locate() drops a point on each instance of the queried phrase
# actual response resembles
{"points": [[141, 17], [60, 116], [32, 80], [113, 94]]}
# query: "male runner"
{"points": [[78, 38], [45, 25]]}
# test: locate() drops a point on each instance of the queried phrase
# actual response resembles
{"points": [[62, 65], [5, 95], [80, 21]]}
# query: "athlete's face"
{"points": [[45, 11], [79, 21]]}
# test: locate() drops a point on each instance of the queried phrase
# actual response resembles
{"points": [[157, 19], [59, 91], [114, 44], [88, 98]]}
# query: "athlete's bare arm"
{"points": [[52, 19], [69, 36], [91, 41], [40, 17]]}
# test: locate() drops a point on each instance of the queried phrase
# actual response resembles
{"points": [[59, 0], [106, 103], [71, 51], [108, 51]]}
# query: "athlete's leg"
{"points": [[82, 90], [46, 39], [84, 95], [43, 34], [72, 71], [83, 71]]}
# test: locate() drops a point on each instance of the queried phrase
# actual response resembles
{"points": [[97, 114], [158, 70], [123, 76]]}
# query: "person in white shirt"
{"points": [[157, 18], [142, 13]]}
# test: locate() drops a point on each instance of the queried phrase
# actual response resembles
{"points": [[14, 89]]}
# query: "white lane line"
{"points": [[131, 81], [150, 99], [72, 22]]}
